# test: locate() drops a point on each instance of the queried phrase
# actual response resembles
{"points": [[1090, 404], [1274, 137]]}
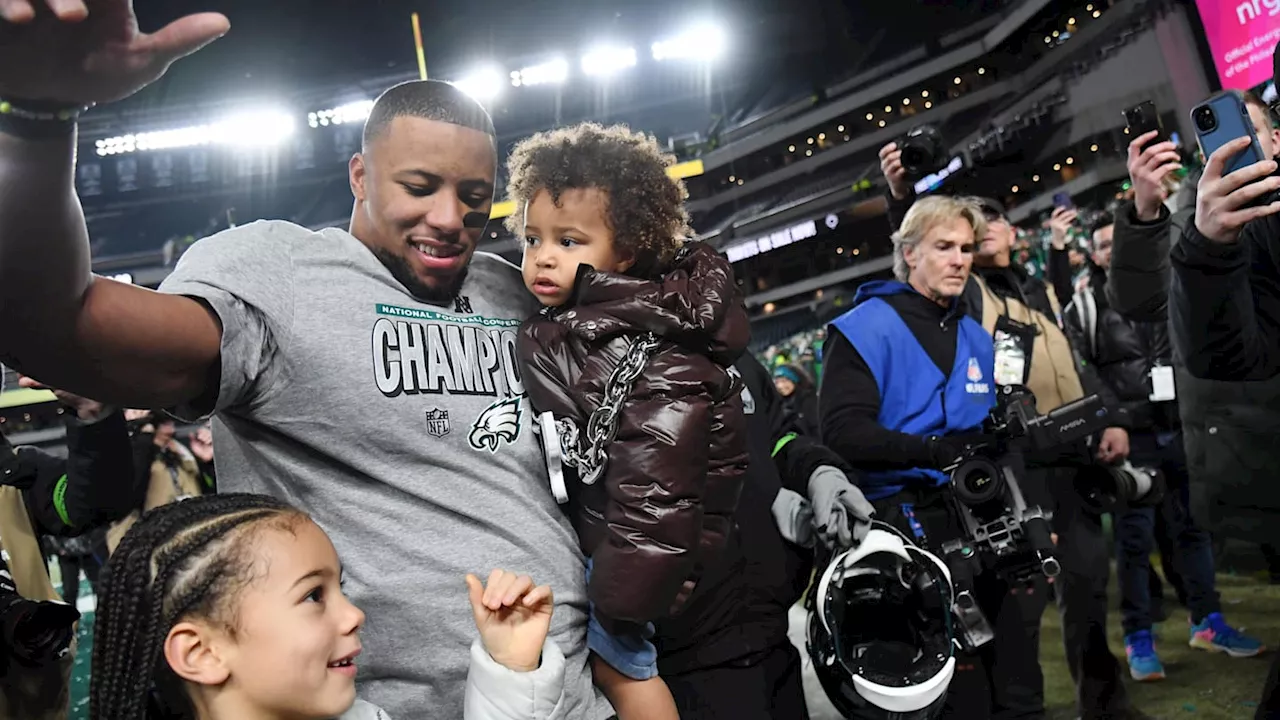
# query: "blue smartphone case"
{"points": [[1233, 122]]}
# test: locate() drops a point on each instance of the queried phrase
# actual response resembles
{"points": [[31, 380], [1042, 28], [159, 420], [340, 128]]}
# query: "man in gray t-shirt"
{"points": [[402, 427], [369, 377]]}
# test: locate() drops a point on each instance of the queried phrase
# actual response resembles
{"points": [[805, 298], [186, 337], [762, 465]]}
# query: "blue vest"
{"points": [[915, 397]]}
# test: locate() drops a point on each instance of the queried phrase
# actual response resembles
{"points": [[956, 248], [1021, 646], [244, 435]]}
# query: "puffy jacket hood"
{"points": [[695, 305]]}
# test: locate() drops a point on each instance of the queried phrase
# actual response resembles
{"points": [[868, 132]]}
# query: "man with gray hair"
{"points": [[919, 315], [909, 379]]}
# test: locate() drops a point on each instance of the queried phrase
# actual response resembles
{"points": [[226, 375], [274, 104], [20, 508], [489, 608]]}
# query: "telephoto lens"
{"points": [[1107, 489], [34, 633]]}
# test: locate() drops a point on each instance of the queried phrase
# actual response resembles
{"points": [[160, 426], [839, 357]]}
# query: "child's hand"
{"points": [[513, 617]]}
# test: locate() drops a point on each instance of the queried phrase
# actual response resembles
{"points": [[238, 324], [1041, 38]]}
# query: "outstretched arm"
{"points": [[106, 340]]}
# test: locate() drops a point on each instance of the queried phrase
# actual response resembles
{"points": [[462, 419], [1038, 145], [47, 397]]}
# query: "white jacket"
{"points": [[495, 692]]}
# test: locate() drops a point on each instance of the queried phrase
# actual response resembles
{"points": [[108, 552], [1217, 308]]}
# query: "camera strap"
{"points": [[1014, 342]]}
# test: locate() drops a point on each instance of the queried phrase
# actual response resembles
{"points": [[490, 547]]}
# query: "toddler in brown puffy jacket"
{"points": [[628, 367]]}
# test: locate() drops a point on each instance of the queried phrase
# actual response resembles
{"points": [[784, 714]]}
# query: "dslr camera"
{"points": [[1000, 531], [922, 152], [34, 634]]}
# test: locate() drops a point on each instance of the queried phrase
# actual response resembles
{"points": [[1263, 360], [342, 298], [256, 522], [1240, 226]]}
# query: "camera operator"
{"points": [[908, 382], [41, 493], [165, 467], [1135, 359], [1022, 313]]}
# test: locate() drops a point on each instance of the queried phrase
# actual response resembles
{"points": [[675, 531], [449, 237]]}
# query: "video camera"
{"points": [[33, 634], [1001, 532]]}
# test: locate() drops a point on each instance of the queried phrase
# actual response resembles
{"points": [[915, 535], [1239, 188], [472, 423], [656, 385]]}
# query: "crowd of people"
{"points": [[644, 499]]}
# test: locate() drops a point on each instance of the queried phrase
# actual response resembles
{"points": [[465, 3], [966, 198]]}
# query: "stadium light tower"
{"points": [[705, 42], [551, 72], [607, 60], [484, 84]]}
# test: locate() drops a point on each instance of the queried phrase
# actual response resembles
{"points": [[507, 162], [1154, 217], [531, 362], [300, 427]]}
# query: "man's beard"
{"points": [[401, 271]]}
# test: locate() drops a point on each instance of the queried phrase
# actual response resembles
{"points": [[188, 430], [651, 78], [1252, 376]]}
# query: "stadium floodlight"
{"points": [[704, 42], [484, 84], [348, 113], [551, 72], [606, 60], [260, 128], [250, 129]]}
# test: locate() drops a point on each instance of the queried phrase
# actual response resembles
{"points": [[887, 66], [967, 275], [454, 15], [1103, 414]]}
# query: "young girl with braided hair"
{"points": [[230, 607]]}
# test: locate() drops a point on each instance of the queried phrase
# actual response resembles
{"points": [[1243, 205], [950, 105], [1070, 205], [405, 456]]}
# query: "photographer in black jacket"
{"points": [[1135, 359], [43, 494], [727, 655], [1224, 312]]}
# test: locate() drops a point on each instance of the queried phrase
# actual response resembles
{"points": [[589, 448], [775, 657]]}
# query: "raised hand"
{"points": [[77, 52], [201, 444], [1059, 223], [891, 166], [1147, 171], [1221, 200], [513, 618]]}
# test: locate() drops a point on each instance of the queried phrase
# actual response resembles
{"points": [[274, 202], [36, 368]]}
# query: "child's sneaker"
{"points": [[1144, 665], [1215, 635]]}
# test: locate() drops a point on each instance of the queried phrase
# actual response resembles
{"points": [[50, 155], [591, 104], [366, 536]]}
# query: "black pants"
{"points": [[770, 688], [1136, 530], [70, 567], [1081, 590], [1001, 680]]}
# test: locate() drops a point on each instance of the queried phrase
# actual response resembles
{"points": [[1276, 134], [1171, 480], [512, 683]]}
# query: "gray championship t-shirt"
{"points": [[403, 429]]}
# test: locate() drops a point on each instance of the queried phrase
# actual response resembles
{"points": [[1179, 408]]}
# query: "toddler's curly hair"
{"points": [[645, 207]]}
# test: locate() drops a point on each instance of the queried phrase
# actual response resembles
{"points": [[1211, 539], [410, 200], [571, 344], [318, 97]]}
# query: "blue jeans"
{"points": [[629, 652], [1135, 537]]}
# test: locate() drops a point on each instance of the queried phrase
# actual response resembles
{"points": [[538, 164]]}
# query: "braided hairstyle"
{"points": [[185, 560]]}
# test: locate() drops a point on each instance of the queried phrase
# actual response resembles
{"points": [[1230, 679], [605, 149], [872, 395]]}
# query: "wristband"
{"points": [[38, 120]]}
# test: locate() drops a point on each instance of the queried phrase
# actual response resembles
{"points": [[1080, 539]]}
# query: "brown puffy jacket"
{"points": [[664, 507]]}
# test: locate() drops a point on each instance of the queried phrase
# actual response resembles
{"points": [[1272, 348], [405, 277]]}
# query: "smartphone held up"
{"points": [[1221, 119]]}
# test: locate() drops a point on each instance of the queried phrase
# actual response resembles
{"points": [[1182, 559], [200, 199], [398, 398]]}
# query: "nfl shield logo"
{"points": [[975, 372], [437, 422]]}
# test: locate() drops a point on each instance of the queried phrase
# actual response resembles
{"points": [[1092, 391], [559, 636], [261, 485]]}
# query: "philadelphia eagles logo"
{"points": [[500, 422]]}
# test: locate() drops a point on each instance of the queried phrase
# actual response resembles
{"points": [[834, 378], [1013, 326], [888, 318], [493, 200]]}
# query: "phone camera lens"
{"points": [[1205, 119]]}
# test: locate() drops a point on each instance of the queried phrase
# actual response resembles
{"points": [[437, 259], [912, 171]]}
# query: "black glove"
{"points": [[948, 449], [17, 468]]}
